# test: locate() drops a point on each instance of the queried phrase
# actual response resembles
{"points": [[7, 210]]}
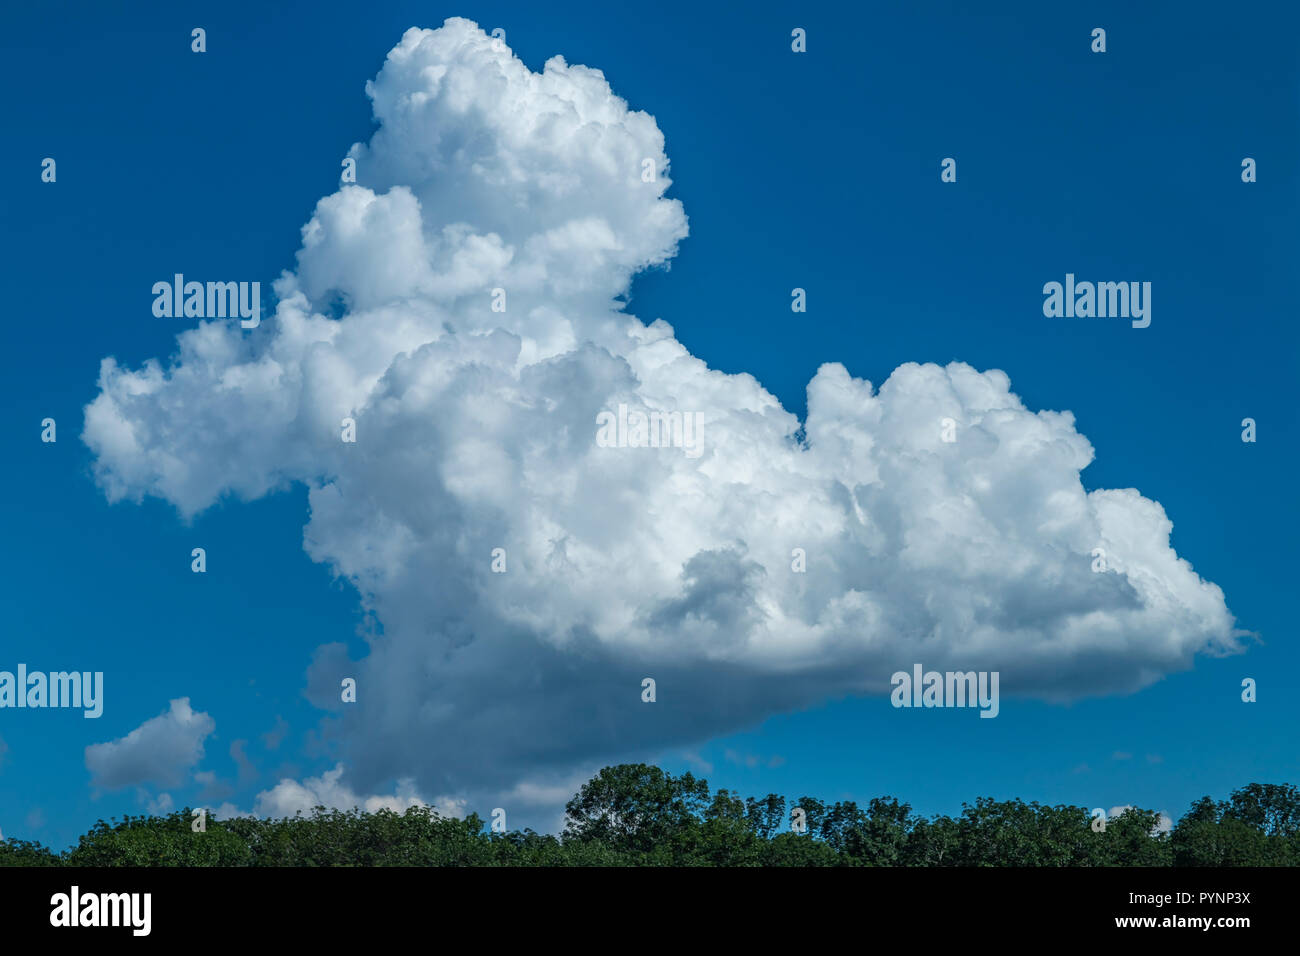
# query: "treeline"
{"points": [[639, 815]]}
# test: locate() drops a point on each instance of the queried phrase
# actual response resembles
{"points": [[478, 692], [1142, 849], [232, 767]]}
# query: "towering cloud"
{"points": [[475, 430]]}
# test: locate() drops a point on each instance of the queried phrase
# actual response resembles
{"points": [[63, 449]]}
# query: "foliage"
{"points": [[640, 815]]}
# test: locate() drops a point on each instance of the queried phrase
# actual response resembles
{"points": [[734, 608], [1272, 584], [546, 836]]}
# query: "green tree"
{"points": [[159, 841], [640, 815], [1273, 808], [639, 809], [933, 842], [1134, 839], [27, 853], [766, 816], [878, 837], [799, 849], [1224, 843]]}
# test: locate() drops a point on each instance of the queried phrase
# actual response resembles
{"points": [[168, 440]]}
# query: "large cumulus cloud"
{"points": [[476, 430]]}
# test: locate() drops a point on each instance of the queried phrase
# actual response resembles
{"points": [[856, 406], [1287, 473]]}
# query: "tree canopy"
{"points": [[641, 815]]}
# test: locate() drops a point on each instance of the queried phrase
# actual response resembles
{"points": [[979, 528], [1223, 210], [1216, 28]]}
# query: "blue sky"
{"points": [[819, 171]]}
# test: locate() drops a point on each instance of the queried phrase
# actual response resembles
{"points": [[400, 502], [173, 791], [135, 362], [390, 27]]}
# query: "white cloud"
{"points": [[328, 790], [275, 736], [160, 751], [162, 804], [475, 430], [228, 811], [531, 802], [753, 761], [1164, 823], [698, 763]]}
